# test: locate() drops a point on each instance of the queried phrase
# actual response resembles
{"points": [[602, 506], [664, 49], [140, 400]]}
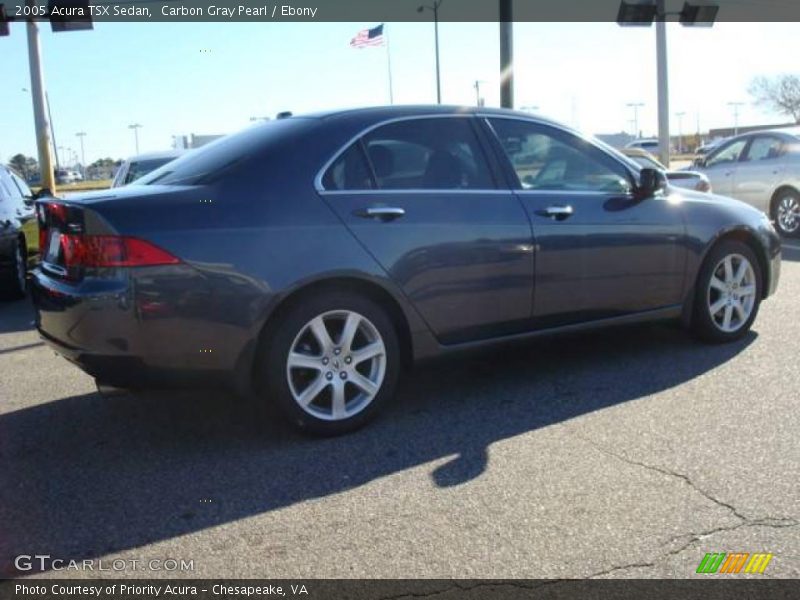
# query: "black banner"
{"points": [[376, 11], [509, 589]]}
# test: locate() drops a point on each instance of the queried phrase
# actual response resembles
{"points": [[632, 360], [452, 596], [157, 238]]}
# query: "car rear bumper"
{"points": [[124, 336]]}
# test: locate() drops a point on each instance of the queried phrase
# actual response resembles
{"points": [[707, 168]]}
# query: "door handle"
{"points": [[559, 213], [382, 213]]}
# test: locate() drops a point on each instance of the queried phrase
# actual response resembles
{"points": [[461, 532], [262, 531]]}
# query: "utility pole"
{"points": [[479, 101], [435, 9], [39, 110], [635, 106], [81, 135], [135, 127], [663, 86], [735, 106], [506, 54], [680, 130]]}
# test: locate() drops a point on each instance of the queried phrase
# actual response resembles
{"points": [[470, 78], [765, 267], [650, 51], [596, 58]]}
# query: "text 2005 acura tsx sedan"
{"points": [[309, 259]]}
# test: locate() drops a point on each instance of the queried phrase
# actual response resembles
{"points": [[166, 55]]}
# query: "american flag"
{"points": [[368, 37]]}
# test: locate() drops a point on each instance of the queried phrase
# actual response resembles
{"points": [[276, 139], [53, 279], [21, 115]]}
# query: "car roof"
{"points": [[380, 113]]}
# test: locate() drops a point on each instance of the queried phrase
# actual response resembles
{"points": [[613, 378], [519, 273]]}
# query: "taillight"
{"points": [[112, 251]]}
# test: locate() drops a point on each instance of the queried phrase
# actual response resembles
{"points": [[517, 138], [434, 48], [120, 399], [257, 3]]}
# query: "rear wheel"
{"points": [[728, 293], [331, 363], [786, 213], [15, 280]]}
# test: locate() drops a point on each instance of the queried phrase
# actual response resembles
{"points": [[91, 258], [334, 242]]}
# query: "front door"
{"points": [[600, 251]]}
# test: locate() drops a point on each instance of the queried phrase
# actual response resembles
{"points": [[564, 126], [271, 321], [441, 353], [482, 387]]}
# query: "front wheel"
{"points": [[331, 363], [728, 293], [786, 213]]}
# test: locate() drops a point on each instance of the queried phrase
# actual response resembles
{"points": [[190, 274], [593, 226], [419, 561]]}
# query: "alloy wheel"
{"points": [[336, 365], [731, 293], [788, 214]]}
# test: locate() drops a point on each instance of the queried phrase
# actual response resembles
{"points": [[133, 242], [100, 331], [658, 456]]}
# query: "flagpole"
{"points": [[389, 65]]}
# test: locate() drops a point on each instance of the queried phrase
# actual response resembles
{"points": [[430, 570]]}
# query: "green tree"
{"points": [[24, 165]]}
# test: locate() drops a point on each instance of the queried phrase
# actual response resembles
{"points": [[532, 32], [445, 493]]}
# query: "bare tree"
{"points": [[781, 94]]}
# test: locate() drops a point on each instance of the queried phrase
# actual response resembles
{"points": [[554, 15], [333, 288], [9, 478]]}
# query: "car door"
{"points": [[600, 250], [421, 196], [721, 165], [759, 170]]}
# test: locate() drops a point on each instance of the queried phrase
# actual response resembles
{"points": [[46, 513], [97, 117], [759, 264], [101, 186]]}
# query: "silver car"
{"points": [[763, 169], [139, 166]]}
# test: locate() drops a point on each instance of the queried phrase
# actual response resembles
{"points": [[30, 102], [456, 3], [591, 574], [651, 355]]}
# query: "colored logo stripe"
{"points": [[717, 561]]}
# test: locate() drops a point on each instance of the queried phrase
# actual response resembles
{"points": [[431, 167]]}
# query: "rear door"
{"points": [[759, 170], [422, 196], [721, 166], [600, 251]]}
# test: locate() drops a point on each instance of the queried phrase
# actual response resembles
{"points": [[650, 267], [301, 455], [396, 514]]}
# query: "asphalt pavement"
{"points": [[624, 453]]}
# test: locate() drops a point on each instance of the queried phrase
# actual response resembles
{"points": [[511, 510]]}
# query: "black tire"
{"points": [[14, 281], [792, 227], [704, 325], [272, 374]]}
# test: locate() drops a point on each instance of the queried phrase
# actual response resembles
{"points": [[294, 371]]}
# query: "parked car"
{"points": [[685, 179], [18, 233], [649, 144], [139, 166], [311, 259], [65, 176], [761, 169]]}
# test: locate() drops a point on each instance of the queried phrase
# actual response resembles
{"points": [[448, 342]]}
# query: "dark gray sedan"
{"points": [[311, 259]]}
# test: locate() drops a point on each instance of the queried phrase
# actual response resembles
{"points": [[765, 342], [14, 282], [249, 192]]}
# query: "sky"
{"points": [[211, 78]]}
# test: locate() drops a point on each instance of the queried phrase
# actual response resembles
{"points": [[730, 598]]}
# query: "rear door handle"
{"points": [[382, 213], [559, 213]]}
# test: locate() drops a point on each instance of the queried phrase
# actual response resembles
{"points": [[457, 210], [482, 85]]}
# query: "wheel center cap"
{"points": [[335, 363]]}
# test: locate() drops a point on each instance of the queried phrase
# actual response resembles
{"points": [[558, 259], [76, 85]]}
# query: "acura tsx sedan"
{"points": [[309, 260]]}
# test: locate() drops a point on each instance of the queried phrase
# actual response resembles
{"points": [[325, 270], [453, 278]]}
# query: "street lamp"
{"points": [[136, 127], [635, 106], [81, 135], [435, 9], [735, 106], [642, 13], [680, 130]]}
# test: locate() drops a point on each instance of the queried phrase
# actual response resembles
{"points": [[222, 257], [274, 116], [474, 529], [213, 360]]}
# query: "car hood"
{"points": [[691, 196]]}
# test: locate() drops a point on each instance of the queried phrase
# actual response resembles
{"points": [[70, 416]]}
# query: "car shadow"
{"points": [[16, 316], [87, 476]]}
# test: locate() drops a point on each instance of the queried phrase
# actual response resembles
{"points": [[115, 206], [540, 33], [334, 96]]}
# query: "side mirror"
{"points": [[29, 201], [651, 181], [699, 162]]}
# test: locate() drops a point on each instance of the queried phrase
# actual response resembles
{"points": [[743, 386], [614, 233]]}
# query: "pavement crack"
{"points": [[669, 473]]}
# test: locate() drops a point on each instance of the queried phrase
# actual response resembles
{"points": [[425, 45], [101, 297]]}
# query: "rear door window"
{"points": [[428, 154]]}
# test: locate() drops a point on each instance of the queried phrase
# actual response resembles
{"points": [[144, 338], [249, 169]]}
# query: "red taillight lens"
{"points": [[112, 251]]}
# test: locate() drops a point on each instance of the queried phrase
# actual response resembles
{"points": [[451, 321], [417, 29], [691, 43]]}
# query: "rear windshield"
{"points": [[204, 164]]}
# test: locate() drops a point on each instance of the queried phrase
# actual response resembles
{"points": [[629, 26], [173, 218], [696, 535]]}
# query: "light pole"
{"points": [[735, 106], [479, 101], [135, 127], [81, 135], [435, 8], [635, 106], [506, 53], [642, 13], [680, 130]]}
